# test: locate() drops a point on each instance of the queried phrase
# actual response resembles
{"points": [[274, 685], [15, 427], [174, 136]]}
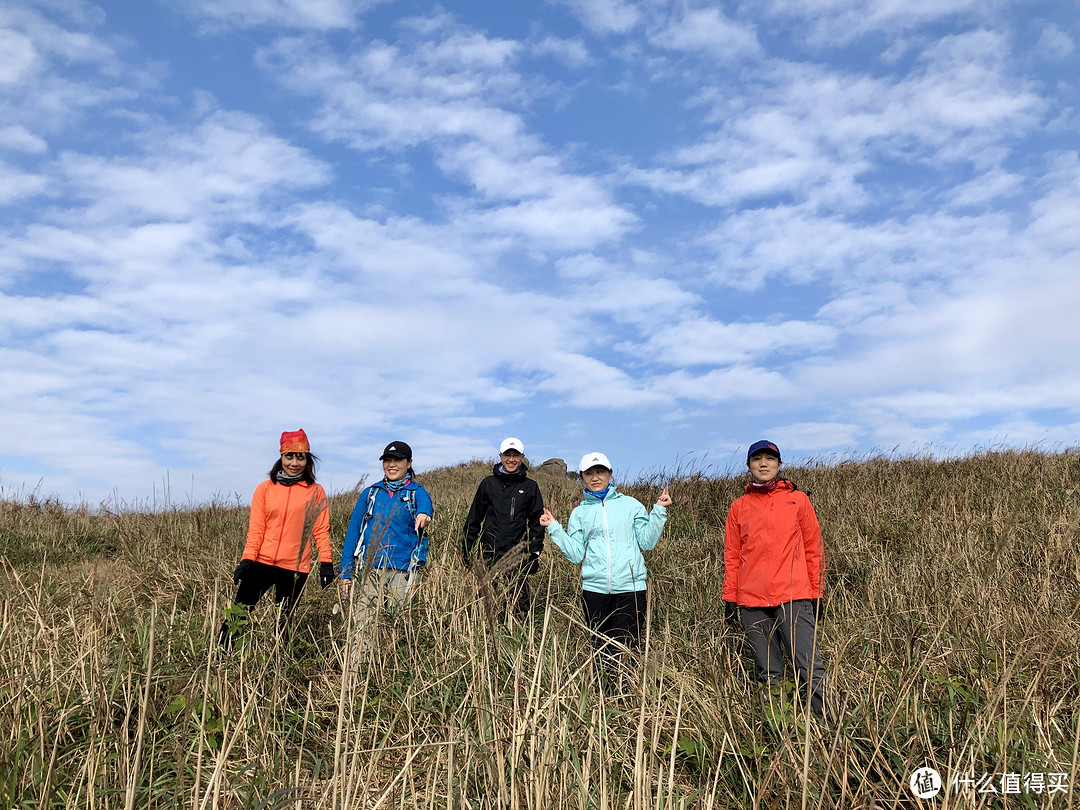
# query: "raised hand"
{"points": [[546, 519], [664, 499]]}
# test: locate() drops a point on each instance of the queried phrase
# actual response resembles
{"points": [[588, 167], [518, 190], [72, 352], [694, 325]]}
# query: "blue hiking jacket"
{"points": [[606, 538], [389, 527]]}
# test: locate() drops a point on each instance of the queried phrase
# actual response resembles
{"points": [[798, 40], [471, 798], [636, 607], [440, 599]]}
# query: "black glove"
{"points": [[327, 574], [731, 614], [819, 609], [242, 570]]}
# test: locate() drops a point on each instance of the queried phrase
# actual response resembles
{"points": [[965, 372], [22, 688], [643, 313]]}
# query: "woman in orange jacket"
{"points": [[773, 566], [287, 510]]}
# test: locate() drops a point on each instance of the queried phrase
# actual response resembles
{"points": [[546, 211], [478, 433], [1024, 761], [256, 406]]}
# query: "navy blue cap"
{"points": [[396, 450], [763, 445]]}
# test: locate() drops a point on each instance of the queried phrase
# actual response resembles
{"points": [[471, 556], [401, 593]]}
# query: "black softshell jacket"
{"points": [[505, 511]]}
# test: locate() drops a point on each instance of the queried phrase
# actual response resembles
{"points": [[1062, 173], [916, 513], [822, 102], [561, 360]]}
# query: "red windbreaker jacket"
{"points": [[772, 548], [277, 523]]}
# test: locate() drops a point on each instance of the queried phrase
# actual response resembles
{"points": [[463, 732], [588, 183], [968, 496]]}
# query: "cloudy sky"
{"points": [[662, 230]]}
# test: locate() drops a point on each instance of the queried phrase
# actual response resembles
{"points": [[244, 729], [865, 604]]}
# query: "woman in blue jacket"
{"points": [[606, 534], [385, 545]]}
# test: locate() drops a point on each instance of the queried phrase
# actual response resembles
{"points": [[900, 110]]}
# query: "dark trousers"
{"points": [[288, 585], [616, 620], [792, 627], [508, 585], [518, 598]]}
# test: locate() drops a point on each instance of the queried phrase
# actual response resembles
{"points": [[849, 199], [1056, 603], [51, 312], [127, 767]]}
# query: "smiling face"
{"points": [[764, 467], [596, 479], [395, 469], [292, 464], [511, 460]]}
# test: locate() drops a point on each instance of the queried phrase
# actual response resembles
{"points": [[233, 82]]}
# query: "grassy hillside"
{"points": [[952, 631]]}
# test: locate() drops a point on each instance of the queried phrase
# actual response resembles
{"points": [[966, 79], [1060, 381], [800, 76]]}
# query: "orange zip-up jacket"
{"points": [[277, 523], [772, 548]]}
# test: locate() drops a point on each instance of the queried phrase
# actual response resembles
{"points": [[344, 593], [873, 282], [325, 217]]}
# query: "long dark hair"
{"points": [[307, 475]]}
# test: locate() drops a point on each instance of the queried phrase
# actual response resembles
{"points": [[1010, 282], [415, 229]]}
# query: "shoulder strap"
{"points": [[361, 545], [420, 549], [409, 497]]}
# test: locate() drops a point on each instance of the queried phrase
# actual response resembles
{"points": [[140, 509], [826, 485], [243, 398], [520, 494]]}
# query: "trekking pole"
{"points": [[414, 563]]}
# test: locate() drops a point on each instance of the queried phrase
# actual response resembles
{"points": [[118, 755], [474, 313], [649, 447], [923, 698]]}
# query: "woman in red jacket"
{"points": [[773, 566], [287, 510]]}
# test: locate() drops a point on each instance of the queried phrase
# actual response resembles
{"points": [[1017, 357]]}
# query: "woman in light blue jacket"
{"points": [[605, 536]]}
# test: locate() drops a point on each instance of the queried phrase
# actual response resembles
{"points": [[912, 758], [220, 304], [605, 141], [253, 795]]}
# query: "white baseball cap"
{"points": [[511, 444], [594, 460]]}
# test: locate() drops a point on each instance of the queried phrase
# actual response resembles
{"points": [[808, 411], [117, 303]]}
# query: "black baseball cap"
{"points": [[396, 450]]}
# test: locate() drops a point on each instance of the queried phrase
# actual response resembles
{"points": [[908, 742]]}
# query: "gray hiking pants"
{"points": [[792, 626]]}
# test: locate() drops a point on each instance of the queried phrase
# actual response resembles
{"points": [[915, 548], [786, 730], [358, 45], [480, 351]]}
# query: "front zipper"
{"points": [[607, 536]]}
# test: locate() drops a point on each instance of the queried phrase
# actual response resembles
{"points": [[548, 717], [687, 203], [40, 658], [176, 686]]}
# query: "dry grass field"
{"points": [[951, 631]]}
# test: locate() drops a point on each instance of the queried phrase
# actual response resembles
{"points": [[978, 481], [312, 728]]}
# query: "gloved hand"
{"points": [[819, 608], [327, 574], [242, 570], [731, 614], [532, 565]]}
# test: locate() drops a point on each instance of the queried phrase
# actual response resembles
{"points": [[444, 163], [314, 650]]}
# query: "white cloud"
{"points": [[986, 188], [586, 382], [826, 22], [698, 340], [571, 52], [709, 30], [16, 185], [606, 16], [735, 384], [20, 56], [455, 96], [814, 134], [20, 139], [808, 437], [225, 162], [319, 15], [1054, 43]]}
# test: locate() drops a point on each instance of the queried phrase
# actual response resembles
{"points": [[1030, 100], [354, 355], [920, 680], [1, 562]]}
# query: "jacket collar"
{"points": [[381, 484], [782, 485], [613, 494], [501, 473]]}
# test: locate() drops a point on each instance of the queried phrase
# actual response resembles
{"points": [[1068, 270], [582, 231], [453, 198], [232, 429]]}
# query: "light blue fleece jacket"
{"points": [[606, 538]]}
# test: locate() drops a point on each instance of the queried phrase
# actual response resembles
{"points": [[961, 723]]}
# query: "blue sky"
{"points": [[660, 230]]}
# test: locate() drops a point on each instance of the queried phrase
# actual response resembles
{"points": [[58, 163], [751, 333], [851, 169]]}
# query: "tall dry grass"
{"points": [[952, 633]]}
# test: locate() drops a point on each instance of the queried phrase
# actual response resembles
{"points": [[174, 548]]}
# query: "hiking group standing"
{"points": [[773, 552]]}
